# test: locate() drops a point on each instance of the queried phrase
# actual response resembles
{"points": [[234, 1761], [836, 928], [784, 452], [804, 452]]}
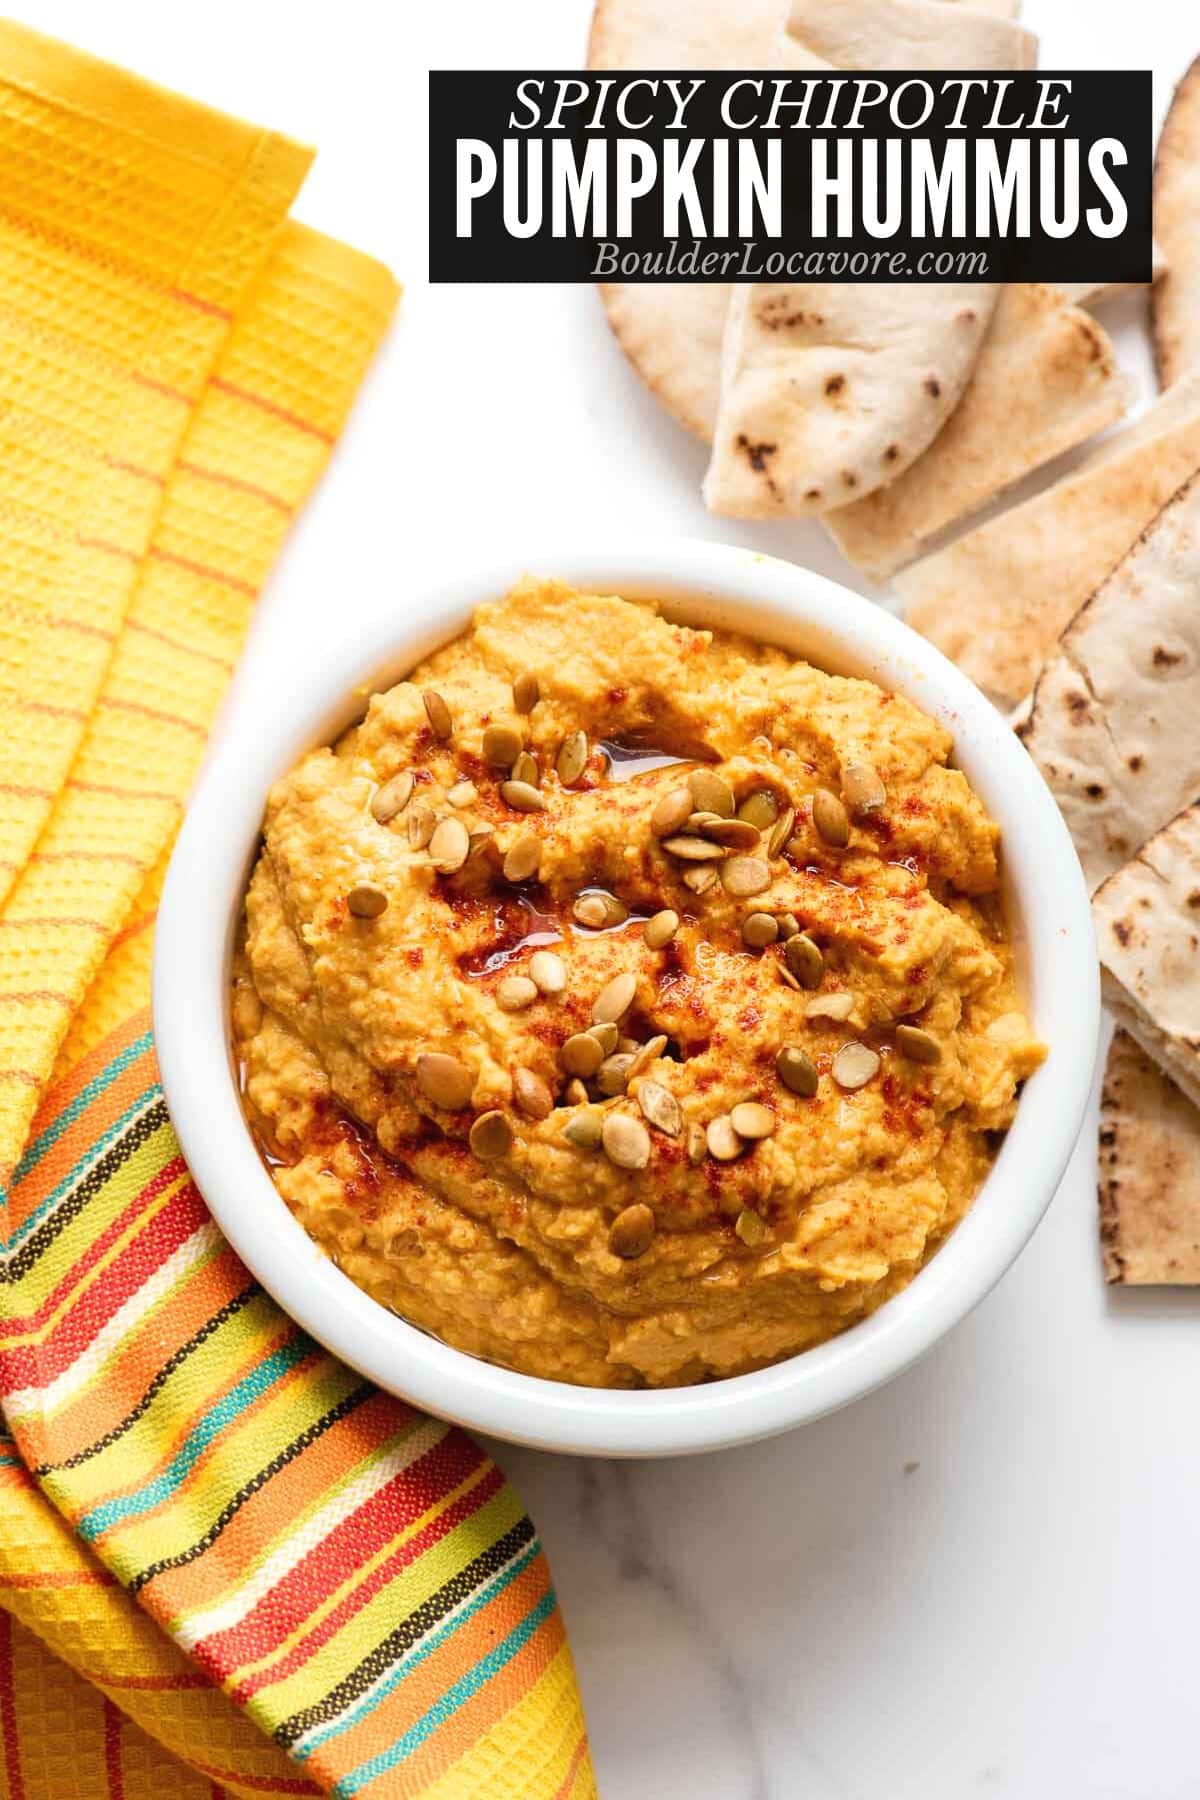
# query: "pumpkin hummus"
{"points": [[625, 1003]]}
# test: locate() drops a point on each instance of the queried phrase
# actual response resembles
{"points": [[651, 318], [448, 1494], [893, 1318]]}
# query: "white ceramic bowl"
{"points": [[706, 584]]}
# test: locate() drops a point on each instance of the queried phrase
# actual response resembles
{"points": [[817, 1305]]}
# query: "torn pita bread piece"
{"points": [[1149, 1173], [1148, 928], [996, 600], [1114, 721], [1175, 306], [707, 34], [672, 331], [906, 34], [827, 391], [1046, 379]]}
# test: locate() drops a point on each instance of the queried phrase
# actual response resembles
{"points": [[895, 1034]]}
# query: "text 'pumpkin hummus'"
{"points": [[624, 1003]]}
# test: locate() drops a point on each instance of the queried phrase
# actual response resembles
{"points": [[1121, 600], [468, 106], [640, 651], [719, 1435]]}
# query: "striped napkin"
{"points": [[227, 1565]]}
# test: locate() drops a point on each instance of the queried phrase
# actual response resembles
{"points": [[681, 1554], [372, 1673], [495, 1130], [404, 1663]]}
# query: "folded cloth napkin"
{"points": [[268, 1571]]}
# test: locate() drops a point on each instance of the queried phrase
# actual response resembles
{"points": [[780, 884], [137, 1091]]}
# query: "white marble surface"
{"points": [[982, 1580]]}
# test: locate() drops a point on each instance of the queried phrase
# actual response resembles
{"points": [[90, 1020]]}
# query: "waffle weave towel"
{"points": [[266, 1570]]}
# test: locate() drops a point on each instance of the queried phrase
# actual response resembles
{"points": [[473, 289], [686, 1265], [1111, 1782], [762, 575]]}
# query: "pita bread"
{"points": [[672, 331], [906, 34], [1149, 1173], [1148, 926], [996, 600], [830, 391], [1112, 721], [1045, 379], [1175, 310], [827, 391]]}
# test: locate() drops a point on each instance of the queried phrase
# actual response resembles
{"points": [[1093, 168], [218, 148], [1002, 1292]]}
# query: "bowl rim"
{"points": [[1049, 915]]}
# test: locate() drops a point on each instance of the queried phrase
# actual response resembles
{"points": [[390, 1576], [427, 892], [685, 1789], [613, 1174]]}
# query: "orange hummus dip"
{"points": [[624, 1003]]}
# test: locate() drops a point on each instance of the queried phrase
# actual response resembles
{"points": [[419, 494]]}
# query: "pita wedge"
{"points": [[672, 331], [829, 391], [1113, 721], [1045, 380], [906, 34], [1149, 1173], [1176, 303], [997, 600], [1148, 927]]}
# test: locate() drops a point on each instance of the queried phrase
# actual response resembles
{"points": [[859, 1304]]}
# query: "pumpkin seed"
{"points": [[700, 879], [734, 834], [438, 714], [804, 960], [522, 796], [696, 823], [745, 876], [515, 993], [584, 1128], [463, 793], [854, 1065], [659, 930], [789, 925], [612, 1077], [919, 1046], [797, 1070], [449, 846], [830, 1006], [525, 691], [711, 793], [421, 822], [626, 1141], [581, 1055], [750, 1228], [572, 757], [781, 831], [787, 978], [575, 1094], [444, 1080], [548, 972], [723, 1141], [660, 1108], [697, 1144], [759, 929], [672, 812], [632, 1231], [532, 1094], [628, 1046], [392, 797], [524, 855], [830, 818], [589, 910], [491, 1135], [750, 1119], [692, 849], [614, 999], [502, 744], [862, 787], [526, 769], [647, 1053], [366, 901], [606, 1035], [760, 809]]}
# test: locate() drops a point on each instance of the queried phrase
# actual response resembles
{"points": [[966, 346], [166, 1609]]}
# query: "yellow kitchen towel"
{"points": [[365, 1606]]}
